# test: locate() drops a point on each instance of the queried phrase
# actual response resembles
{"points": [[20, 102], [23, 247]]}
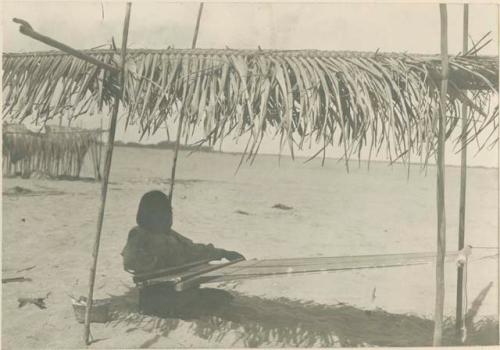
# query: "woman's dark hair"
{"points": [[155, 212]]}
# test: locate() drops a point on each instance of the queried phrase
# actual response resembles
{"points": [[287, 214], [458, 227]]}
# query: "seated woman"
{"points": [[153, 245]]}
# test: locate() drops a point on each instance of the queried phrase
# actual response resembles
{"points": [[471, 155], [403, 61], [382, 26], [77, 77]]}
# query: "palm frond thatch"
{"points": [[59, 151], [377, 100]]}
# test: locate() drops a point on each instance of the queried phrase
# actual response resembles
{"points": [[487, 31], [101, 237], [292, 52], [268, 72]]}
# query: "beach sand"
{"points": [[49, 227]]}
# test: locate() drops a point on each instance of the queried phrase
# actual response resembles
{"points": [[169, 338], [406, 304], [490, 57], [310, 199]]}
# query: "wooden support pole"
{"points": [[498, 197], [498, 183], [197, 28], [107, 167], [181, 116], [463, 183], [27, 30], [99, 152], [441, 217], [176, 154]]}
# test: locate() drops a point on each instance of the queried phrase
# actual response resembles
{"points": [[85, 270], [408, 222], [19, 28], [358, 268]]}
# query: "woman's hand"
{"points": [[229, 255]]}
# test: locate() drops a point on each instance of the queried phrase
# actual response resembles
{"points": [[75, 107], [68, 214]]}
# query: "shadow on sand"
{"points": [[254, 321]]}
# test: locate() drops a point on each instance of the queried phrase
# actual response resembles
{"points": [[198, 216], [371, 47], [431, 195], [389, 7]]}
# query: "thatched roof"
{"points": [[355, 99]]}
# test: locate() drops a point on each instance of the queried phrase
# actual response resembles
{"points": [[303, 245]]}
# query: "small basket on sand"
{"points": [[99, 312]]}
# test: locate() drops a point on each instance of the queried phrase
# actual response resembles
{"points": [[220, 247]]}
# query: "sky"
{"points": [[387, 27]]}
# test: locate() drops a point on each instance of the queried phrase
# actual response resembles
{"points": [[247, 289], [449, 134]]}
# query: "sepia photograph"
{"points": [[249, 174]]}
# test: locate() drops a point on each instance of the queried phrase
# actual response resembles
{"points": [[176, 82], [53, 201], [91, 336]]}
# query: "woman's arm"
{"points": [[215, 253], [199, 251], [233, 255]]}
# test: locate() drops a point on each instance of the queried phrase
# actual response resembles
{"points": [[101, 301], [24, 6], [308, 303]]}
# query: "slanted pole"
{"points": [[27, 30], [107, 167], [463, 182], [181, 116], [441, 217], [197, 28], [99, 151]]}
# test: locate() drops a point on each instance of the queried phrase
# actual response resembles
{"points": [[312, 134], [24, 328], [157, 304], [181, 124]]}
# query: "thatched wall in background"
{"points": [[58, 152]]}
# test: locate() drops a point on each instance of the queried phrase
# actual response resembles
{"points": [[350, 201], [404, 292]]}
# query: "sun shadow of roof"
{"points": [[254, 321]]}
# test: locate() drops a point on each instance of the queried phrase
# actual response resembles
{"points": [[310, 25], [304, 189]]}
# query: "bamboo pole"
{"points": [[107, 167], [498, 177], [181, 117], [463, 183], [441, 216], [197, 28], [101, 144]]}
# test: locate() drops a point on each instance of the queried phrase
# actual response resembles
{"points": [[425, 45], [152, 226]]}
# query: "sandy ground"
{"points": [[50, 228]]}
